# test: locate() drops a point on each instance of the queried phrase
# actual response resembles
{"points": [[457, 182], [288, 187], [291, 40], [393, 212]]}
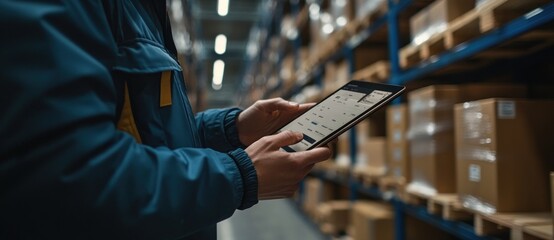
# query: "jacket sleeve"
{"points": [[65, 171], [218, 130]]}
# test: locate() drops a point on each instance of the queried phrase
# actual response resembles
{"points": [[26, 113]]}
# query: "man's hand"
{"points": [[279, 172], [264, 117]]}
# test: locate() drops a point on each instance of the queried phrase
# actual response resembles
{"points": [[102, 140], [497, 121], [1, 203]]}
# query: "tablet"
{"points": [[339, 112]]}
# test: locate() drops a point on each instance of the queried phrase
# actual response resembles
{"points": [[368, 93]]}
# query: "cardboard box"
{"points": [[374, 126], [434, 18], [336, 75], [378, 123], [362, 136], [431, 134], [343, 74], [504, 154], [376, 152], [398, 157], [329, 78], [372, 220], [334, 213], [316, 191], [419, 24], [343, 150], [366, 56]]}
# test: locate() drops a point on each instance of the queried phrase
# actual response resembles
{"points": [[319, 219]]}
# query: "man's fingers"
{"points": [[314, 156], [305, 106], [286, 138], [278, 104]]}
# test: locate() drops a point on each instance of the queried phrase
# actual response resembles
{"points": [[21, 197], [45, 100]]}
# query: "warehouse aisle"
{"points": [[269, 220]]}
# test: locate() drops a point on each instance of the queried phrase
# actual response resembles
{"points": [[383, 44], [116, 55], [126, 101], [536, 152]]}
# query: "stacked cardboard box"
{"points": [[372, 157], [398, 157], [374, 220], [371, 220], [434, 18], [362, 136], [377, 123], [371, 150], [316, 192], [431, 133], [366, 56], [342, 159], [504, 154], [333, 216], [376, 152], [336, 75], [329, 78], [343, 74]]}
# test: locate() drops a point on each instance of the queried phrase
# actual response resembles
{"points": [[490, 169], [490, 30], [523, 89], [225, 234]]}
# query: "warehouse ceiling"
{"points": [[237, 25]]}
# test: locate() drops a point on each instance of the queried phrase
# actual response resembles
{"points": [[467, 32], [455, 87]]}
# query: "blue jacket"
{"points": [[98, 137]]}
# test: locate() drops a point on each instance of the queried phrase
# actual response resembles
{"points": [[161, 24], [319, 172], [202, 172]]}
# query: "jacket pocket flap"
{"points": [[144, 56]]}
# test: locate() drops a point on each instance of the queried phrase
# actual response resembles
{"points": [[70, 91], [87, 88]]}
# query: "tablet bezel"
{"points": [[395, 92]]}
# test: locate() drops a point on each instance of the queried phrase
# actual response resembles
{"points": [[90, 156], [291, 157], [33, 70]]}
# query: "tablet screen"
{"points": [[348, 104]]}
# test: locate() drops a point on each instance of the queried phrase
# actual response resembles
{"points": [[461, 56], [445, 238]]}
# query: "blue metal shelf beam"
{"points": [[517, 27], [458, 229]]}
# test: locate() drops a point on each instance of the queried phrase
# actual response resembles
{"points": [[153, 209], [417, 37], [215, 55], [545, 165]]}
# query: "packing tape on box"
{"points": [[421, 147], [431, 127], [422, 122], [421, 188], [477, 134], [430, 21], [476, 204]]}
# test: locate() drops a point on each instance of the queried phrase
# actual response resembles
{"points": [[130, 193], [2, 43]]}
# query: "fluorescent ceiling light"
{"points": [[216, 87], [222, 7], [217, 78], [220, 44]]}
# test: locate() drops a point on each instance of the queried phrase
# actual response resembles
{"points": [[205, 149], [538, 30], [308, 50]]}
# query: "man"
{"points": [[99, 140]]}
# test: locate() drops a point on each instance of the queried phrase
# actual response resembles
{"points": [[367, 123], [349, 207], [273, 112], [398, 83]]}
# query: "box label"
{"points": [[506, 110], [474, 173]]}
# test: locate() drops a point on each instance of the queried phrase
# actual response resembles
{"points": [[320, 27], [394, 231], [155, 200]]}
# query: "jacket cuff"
{"points": [[249, 178], [231, 130]]}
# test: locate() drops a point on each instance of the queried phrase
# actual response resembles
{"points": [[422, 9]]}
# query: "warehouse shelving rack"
{"points": [[518, 26]]}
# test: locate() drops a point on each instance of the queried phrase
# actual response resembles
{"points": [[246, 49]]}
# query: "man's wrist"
{"points": [[231, 127], [249, 178]]}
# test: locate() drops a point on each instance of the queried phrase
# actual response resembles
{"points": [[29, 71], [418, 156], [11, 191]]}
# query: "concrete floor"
{"points": [[269, 220]]}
